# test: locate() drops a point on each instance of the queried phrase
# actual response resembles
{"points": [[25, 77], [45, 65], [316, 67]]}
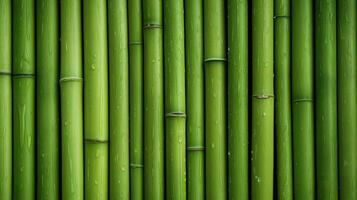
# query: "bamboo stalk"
{"points": [[174, 45], [95, 99], [238, 99], [195, 99], [47, 100], [347, 111], [23, 99], [263, 101], [215, 88], [136, 99], [119, 99], [71, 100], [326, 100], [302, 99], [283, 100], [5, 101], [153, 100]]}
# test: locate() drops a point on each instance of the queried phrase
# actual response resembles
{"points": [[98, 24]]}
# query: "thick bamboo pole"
{"points": [[238, 99], [175, 107], [95, 99], [195, 99], [347, 95], [47, 100], [23, 99], [326, 99], [71, 100], [302, 99], [119, 99], [5, 101], [215, 91], [283, 100], [263, 100], [153, 100]]}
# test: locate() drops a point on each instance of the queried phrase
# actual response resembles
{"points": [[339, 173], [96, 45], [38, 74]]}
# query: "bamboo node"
{"points": [[281, 16], [95, 141], [4, 73], [263, 96], [302, 100], [135, 43], [23, 75], [215, 59], [152, 26], [70, 78], [196, 148], [176, 114], [135, 165]]}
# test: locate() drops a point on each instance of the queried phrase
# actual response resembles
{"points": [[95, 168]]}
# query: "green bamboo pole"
{"points": [[136, 100], [119, 99], [302, 99], [347, 95], [96, 99], [5, 101], [238, 99], [23, 99], [195, 99], [215, 94], [326, 99], [47, 100], [153, 100], [174, 48], [283, 99], [71, 100], [263, 100]]}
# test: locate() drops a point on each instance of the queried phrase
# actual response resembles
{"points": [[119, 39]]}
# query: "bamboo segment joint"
{"points": [[213, 59], [135, 43], [176, 114], [263, 96], [281, 16], [95, 141], [152, 26], [71, 79], [196, 148], [4, 73], [302, 100], [23, 75], [135, 165]]}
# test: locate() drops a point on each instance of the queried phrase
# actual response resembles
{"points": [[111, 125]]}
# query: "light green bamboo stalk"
{"points": [[23, 99], [95, 99], [263, 100], [136, 100], [175, 106], [326, 99], [153, 100], [238, 99], [283, 100], [119, 99], [302, 98], [47, 100], [215, 78], [71, 100], [195, 99], [347, 111], [5, 101]]}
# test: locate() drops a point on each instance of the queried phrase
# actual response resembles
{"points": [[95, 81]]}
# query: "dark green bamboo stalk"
{"points": [[136, 100], [347, 95], [71, 100], [96, 99], [263, 100], [215, 87], [47, 100], [326, 99], [302, 99], [175, 106], [195, 99], [238, 99], [283, 100], [153, 100], [23, 99], [119, 99], [5, 101]]}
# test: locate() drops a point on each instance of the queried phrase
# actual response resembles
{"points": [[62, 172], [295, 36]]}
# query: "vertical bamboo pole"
{"points": [[283, 100], [95, 99], [119, 99], [347, 111], [136, 99], [175, 106], [5, 101], [23, 99], [195, 99], [215, 88], [47, 100], [238, 99], [71, 84], [263, 100], [302, 99], [153, 100]]}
